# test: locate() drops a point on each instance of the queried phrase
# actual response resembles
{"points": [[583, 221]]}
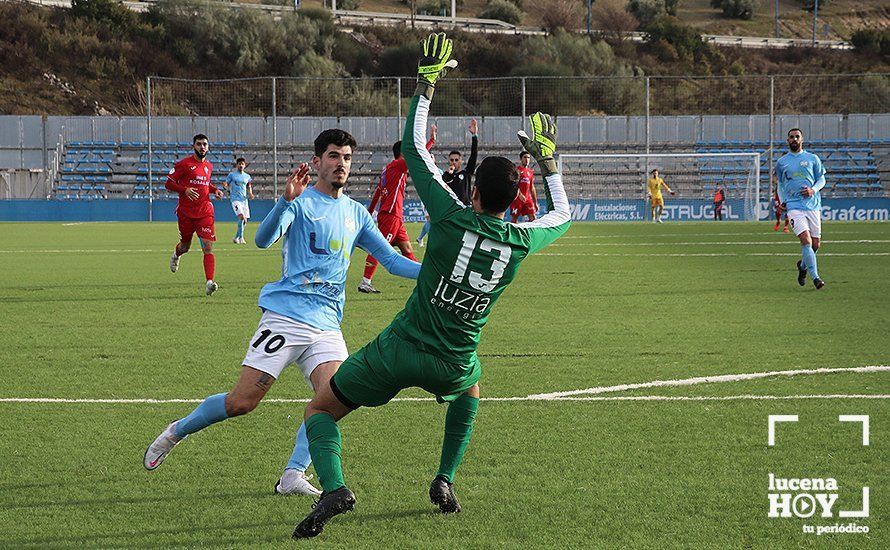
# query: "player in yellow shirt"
{"points": [[653, 193]]}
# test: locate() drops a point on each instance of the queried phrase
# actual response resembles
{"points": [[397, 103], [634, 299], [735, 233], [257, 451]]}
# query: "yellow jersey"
{"points": [[655, 185]]}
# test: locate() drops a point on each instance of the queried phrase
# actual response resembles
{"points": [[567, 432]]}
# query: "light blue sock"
{"points": [[210, 411], [300, 459], [809, 260], [240, 228], [425, 230]]}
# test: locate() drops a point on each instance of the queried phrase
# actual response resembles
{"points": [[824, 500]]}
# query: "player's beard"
{"points": [[795, 147], [200, 155], [336, 183]]}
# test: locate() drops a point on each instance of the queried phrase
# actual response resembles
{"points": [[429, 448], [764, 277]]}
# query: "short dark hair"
{"points": [[524, 154], [197, 137], [455, 153], [240, 159], [795, 130], [497, 181], [333, 136], [654, 170], [396, 149]]}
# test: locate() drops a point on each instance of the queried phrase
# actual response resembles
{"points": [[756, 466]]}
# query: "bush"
{"points": [[615, 21], [399, 60], [664, 51], [736, 9], [647, 11], [560, 14], [502, 10], [684, 38], [109, 12], [872, 40]]}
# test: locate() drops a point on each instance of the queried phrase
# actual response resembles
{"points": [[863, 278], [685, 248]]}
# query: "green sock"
{"points": [[458, 429], [324, 446]]}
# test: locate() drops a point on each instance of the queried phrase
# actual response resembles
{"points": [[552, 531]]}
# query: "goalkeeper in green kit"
{"points": [[472, 256]]}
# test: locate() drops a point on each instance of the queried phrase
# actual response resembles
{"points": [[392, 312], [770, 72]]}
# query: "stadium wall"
{"points": [[28, 142], [845, 209]]}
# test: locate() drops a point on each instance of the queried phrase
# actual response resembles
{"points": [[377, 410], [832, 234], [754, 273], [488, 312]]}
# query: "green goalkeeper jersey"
{"points": [[471, 257]]}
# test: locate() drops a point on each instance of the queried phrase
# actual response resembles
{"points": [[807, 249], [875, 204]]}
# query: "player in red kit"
{"points": [[779, 209], [526, 201], [190, 177], [390, 196]]}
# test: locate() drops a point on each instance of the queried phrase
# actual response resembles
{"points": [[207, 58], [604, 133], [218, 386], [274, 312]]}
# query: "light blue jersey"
{"points": [[796, 171], [320, 234], [237, 182]]}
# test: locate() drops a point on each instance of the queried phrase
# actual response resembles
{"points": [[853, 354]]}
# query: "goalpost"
{"points": [[693, 176]]}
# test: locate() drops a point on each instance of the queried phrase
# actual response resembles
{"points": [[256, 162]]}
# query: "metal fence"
{"points": [[633, 113]]}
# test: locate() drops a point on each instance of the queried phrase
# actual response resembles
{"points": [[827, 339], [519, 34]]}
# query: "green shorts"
{"points": [[373, 375]]}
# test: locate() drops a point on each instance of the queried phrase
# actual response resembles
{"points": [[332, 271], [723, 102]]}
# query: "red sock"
{"points": [[209, 266], [411, 256], [370, 267]]}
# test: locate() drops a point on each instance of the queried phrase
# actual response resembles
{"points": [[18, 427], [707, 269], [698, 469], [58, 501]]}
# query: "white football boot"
{"points": [[211, 287], [295, 482], [161, 447], [174, 262], [236, 240]]}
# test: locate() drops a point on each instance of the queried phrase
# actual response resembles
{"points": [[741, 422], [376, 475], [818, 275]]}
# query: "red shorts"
{"points": [[522, 209], [392, 227], [202, 226]]}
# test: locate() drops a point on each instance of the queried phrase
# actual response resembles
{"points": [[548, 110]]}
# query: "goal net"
{"points": [[694, 177]]}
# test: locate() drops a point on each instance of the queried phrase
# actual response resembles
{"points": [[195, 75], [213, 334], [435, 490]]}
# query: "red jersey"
{"points": [[391, 187], [719, 196], [526, 182], [191, 172]]}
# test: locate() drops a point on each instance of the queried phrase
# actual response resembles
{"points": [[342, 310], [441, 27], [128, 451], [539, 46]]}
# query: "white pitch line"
{"points": [[707, 380], [748, 234], [118, 250], [702, 254], [743, 397], [722, 243]]}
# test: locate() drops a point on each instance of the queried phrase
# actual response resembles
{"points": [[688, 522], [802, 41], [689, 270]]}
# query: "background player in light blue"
{"points": [[238, 182], [319, 227], [801, 177]]}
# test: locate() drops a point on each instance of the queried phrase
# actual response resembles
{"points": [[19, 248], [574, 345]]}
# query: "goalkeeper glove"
{"points": [[434, 63], [542, 144]]}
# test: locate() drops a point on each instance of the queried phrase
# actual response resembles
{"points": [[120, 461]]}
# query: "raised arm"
{"points": [[373, 242], [474, 148], [438, 198], [377, 192], [279, 219], [556, 221]]}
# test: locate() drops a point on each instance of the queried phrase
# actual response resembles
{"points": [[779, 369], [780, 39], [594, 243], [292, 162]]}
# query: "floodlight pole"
{"points": [[274, 138], [777, 18], [815, 17], [148, 129], [453, 12], [588, 17]]}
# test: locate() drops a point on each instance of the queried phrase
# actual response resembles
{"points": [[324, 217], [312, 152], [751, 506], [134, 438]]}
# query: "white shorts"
{"points": [[806, 220], [280, 341], [241, 208]]}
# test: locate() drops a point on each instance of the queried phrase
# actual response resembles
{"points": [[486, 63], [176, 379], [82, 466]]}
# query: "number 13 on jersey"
{"points": [[476, 280]]}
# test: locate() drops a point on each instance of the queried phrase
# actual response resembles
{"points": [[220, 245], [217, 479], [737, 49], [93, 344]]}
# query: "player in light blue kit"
{"points": [[801, 177], [238, 182], [320, 227]]}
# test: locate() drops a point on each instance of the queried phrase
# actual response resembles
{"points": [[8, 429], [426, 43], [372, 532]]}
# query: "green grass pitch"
{"points": [[91, 311]]}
